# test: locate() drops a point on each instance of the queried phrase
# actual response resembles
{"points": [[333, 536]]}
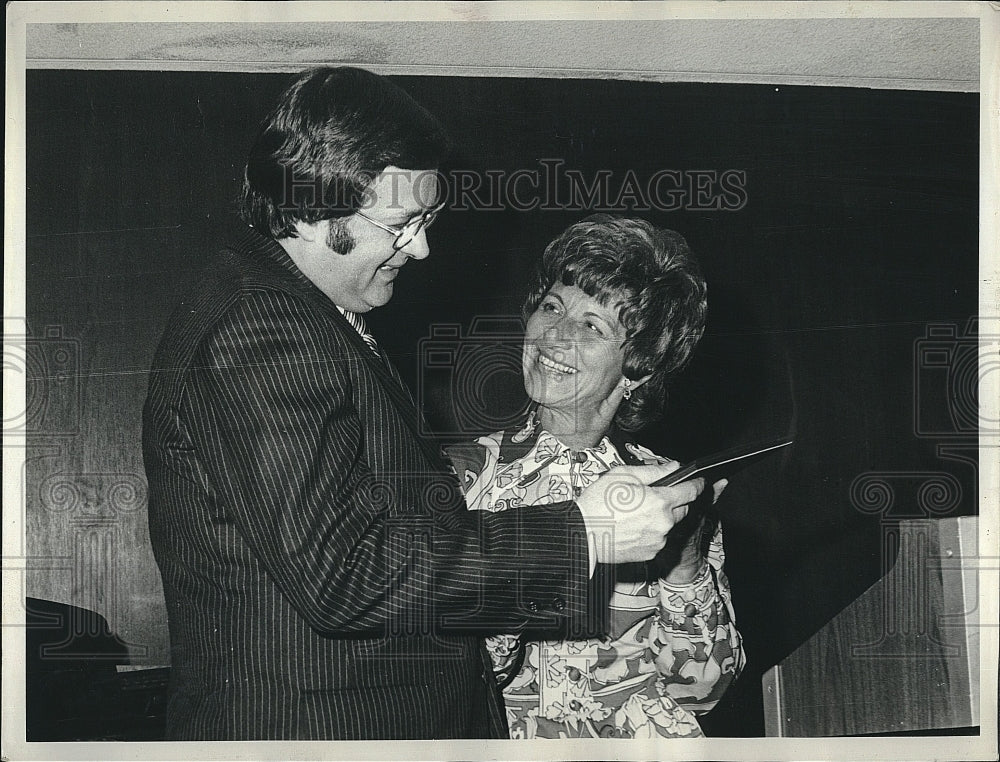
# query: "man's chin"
{"points": [[378, 297]]}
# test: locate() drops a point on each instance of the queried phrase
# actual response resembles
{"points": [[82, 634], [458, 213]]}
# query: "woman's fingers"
{"points": [[718, 488]]}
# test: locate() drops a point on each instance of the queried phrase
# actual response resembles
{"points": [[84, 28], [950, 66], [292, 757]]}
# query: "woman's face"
{"points": [[573, 355]]}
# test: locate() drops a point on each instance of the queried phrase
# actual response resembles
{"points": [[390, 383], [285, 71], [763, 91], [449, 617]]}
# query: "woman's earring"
{"points": [[627, 394]]}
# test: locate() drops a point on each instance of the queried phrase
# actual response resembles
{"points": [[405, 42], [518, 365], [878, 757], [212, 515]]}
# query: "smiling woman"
{"points": [[573, 356], [617, 307], [628, 298]]}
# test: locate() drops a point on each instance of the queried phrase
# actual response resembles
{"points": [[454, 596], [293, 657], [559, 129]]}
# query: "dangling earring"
{"points": [[627, 394]]}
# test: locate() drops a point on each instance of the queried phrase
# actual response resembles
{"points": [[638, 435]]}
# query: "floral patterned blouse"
{"points": [[673, 649]]}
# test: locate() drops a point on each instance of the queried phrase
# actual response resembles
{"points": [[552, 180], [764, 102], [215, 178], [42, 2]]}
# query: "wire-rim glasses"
{"points": [[405, 233]]}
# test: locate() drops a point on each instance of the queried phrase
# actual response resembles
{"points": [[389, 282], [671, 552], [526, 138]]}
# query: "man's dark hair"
{"points": [[333, 131], [651, 276]]}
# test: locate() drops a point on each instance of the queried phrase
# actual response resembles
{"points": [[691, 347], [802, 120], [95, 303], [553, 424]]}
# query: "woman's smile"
{"points": [[555, 366]]}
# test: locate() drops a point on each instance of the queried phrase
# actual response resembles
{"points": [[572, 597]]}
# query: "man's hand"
{"points": [[629, 519]]}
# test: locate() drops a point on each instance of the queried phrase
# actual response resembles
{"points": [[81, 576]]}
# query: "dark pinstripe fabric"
{"points": [[322, 576]]}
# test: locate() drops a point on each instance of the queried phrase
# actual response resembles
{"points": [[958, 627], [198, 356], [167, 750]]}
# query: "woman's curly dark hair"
{"points": [[652, 276]]}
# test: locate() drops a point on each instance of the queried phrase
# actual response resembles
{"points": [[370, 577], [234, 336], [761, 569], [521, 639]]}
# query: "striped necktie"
{"points": [[358, 324]]}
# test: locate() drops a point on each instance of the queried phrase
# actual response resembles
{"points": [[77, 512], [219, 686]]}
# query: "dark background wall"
{"points": [[858, 236]]}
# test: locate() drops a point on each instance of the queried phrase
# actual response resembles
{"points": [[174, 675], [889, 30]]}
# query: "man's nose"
{"points": [[418, 248]]}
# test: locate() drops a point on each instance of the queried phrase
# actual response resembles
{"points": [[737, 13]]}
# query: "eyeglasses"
{"points": [[411, 229]]}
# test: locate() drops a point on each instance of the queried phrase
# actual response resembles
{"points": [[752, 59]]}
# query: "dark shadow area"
{"points": [[74, 691]]}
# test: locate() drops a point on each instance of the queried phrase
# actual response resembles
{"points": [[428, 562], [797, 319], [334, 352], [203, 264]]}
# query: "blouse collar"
{"points": [[532, 430]]}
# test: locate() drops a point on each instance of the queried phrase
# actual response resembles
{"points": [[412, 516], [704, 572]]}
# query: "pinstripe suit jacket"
{"points": [[322, 576]]}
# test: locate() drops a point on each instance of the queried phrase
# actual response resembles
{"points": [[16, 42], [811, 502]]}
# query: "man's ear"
{"points": [[310, 232]]}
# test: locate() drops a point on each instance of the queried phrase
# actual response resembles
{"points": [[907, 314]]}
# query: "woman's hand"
{"points": [[681, 560], [650, 458]]}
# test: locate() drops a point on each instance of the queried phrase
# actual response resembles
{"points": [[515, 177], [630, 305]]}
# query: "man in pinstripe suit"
{"points": [[323, 578]]}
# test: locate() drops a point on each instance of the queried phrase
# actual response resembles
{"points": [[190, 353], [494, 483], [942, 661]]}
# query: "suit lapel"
{"points": [[268, 253]]}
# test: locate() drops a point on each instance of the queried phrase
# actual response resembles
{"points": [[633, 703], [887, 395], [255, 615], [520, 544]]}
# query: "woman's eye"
{"points": [[548, 307], [595, 328]]}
